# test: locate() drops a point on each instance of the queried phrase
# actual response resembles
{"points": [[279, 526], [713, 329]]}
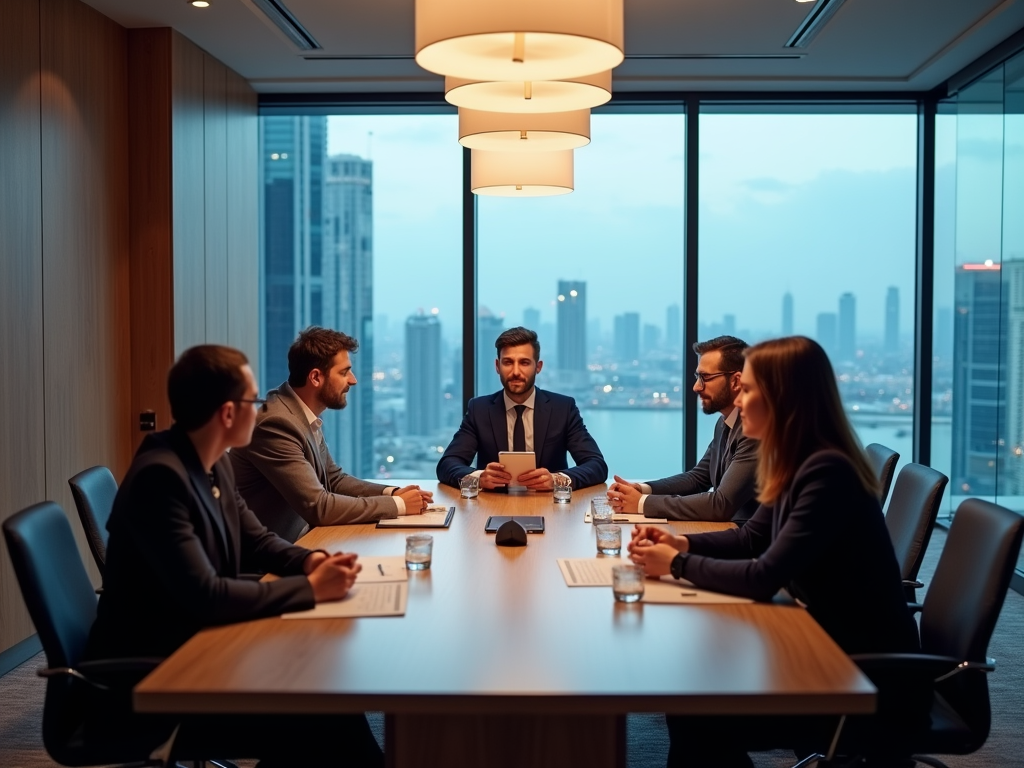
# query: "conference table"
{"points": [[498, 662]]}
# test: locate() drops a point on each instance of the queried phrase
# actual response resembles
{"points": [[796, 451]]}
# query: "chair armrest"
{"points": [[915, 608], [106, 673], [918, 664], [913, 583]]}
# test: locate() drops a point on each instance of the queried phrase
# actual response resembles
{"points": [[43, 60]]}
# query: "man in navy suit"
{"points": [[522, 418]]}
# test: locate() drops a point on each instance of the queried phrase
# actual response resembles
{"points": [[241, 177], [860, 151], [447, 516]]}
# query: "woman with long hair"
{"points": [[819, 533]]}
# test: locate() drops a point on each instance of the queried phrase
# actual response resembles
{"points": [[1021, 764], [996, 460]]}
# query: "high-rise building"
{"points": [[572, 330], [827, 332], [729, 325], [347, 301], [787, 314], [1013, 290], [627, 337], [422, 374], [892, 320], [651, 337], [531, 318], [673, 327], [847, 340], [488, 329]]}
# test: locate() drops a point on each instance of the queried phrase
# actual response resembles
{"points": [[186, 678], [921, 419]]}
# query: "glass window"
{"points": [[807, 227], [598, 274], [362, 228]]}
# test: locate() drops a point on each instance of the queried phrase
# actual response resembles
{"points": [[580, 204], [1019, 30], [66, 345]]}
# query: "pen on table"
{"points": [[688, 594], [380, 568]]}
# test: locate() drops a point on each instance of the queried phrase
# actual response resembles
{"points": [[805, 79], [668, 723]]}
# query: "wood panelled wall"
{"points": [[128, 231], [196, 281]]}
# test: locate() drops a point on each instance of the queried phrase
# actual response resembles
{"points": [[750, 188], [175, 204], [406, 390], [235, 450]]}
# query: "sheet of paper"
{"points": [[620, 517], [681, 592], [588, 571], [381, 599], [378, 569], [435, 516]]}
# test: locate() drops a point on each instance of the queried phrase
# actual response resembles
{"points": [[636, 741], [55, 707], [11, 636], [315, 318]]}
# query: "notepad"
{"points": [[589, 571], [363, 600], [620, 517], [681, 592], [378, 569], [435, 516]]}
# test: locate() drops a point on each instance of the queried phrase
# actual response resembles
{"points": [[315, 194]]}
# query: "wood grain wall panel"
{"points": [[216, 208], [22, 470], [86, 342], [188, 193], [151, 246], [243, 218]]}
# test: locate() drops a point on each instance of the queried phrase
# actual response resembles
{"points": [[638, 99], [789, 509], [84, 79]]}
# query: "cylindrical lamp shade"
{"points": [[503, 132], [529, 97], [518, 174], [522, 40]]}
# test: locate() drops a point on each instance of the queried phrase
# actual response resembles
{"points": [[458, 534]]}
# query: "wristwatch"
{"points": [[678, 565]]}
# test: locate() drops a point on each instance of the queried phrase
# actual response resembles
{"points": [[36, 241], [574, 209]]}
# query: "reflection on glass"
{"points": [[807, 227], [598, 275]]}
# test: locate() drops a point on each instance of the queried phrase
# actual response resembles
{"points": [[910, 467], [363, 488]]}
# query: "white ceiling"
{"points": [[869, 45]]}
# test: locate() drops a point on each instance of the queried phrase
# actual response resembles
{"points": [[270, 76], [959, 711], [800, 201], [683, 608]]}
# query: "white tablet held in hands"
{"points": [[516, 463]]}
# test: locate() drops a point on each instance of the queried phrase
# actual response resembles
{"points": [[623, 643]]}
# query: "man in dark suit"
{"points": [[286, 474], [180, 536], [720, 488], [522, 418]]}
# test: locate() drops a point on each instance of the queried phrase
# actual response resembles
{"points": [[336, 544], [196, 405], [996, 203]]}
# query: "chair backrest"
{"points": [[965, 597], [910, 518], [94, 490], [883, 460]]}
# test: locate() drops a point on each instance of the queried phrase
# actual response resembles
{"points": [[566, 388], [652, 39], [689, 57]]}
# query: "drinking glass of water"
{"points": [[563, 489]]}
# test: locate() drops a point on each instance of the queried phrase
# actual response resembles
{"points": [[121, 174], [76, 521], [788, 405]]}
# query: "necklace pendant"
{"points": [[216, 492]]}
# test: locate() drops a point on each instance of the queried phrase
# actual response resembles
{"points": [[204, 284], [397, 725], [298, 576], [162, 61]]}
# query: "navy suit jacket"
{"points": [[558, 429]]}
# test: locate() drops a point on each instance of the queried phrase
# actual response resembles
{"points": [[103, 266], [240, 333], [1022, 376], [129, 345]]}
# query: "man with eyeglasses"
{"points": [[287, 474], [720, 488]]}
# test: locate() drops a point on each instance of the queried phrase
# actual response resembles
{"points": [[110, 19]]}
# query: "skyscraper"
{"points": [[422, 374], [892, 320], [651, 337], [627, 337], [347, 300], [673, 327], [827, 332], [572, 331], [488, 328], [787, 314], [531, 318], [847, 340]]}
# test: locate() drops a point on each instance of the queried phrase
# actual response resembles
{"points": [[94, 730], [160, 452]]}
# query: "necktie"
{"points": [[519, 430]]}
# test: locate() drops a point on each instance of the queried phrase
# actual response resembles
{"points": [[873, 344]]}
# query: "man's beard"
{"points": [[335, 399], [527, 385], [717, 403]]}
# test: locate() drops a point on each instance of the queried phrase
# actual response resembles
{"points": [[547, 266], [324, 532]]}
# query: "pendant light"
{"points": [[533, 97], [521, 174], [525, 40], [511, 132]]}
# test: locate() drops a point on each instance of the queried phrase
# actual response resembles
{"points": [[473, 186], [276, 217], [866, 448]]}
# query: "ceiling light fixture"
{"points": [[526, 40], [504, 132], [199, 3], [518, 174], [529, 97]]}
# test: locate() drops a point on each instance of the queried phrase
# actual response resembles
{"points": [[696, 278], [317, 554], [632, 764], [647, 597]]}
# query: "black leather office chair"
{"points": [[883, 460], [910, 519], [94, 490]]}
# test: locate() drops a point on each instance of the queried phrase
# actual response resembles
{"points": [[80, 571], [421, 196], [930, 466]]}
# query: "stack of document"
{"points": [[597, 572], [435, 516], [381, 589]]}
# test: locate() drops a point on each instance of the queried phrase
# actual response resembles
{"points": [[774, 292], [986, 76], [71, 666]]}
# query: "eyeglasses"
{"points": [[704, 378], [254, 401]]}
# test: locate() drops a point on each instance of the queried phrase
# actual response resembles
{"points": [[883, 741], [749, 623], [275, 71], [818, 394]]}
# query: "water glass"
{"points": [[563, 489], [600, 512], [418, 551], [470, 486], [628, 583], [609, 539]]}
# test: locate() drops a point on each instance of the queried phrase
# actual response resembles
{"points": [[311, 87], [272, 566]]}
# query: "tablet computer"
{"points": [[532, 523], [516, 463]]}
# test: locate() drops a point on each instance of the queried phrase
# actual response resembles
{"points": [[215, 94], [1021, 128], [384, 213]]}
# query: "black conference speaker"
{"points": [[510, 534]]}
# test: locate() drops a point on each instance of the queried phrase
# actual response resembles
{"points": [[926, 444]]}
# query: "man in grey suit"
{"points": [[286, 474], [720, 488]]}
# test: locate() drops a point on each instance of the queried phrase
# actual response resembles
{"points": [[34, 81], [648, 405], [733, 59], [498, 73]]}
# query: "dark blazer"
{"points": [[558, 429], [729, 467], [175, 554], [290, 480], [825, 540]]}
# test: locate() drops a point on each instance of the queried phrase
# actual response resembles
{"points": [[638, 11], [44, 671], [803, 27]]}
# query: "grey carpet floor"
{"points": [[21, 694]]}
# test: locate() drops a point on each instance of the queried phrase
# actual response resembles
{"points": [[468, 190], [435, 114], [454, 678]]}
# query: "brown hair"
{"points": [[804, 412], [316, 347], [202, 380], [514, 337], [731, 348]]}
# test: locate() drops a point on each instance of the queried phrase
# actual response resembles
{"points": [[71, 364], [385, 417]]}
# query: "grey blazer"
{"points": [[292, 483], [729, 467]]}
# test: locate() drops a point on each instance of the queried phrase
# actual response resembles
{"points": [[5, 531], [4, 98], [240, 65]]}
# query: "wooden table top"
{"points": [[496, 630]]}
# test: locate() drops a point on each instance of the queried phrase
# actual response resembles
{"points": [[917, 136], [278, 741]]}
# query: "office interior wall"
{"points": [[63, 265]]}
